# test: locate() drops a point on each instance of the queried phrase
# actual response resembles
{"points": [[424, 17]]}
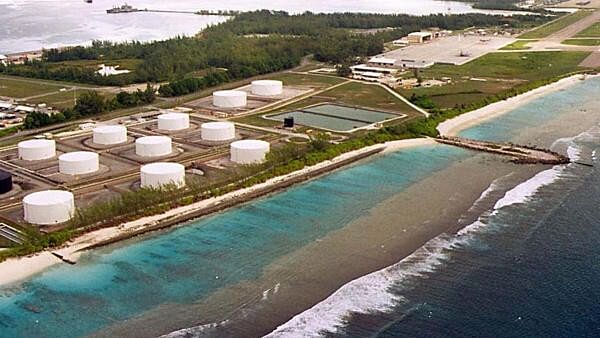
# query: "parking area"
{"points": [[455, 49]]}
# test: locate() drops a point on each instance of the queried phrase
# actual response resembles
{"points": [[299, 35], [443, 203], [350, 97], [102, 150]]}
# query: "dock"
{"points": [[128, 9], [519, 154]]}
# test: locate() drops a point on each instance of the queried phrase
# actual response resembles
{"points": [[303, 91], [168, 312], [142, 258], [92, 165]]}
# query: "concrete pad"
{"points": [[448, 49]]}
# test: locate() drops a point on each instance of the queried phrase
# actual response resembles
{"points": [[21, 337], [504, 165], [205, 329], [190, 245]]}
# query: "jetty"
{"points": [[519, 154], [129, 9]]}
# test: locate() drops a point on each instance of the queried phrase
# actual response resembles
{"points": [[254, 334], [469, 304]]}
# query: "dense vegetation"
{"points": [[495, 4], [91, 103], [252, 43]]}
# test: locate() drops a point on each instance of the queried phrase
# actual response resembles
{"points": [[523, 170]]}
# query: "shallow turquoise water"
{"points": [[187, 263], [506, 126]]}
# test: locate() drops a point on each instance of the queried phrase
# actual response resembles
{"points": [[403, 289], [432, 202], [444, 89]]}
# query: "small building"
{"points": [[3, 59], [22, 57], [24, 109], [5, 105], [415, 64], [380, 61], [419, 37], [401, 42]]}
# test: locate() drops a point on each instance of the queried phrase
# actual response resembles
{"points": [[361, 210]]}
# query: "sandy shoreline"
{"points": [[16, 269], [454, 126]]}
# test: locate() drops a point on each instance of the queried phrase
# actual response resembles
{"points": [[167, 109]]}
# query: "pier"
{"points": [[128, 9], [520, 154]]}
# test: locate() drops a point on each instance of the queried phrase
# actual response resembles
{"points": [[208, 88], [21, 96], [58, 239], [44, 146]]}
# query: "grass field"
{"points": [[501, 72], [460, 92], [352, 94], [317, 81], [592, 31], [555, 26], [20, 88], [582, 42], [528, 66], [63, 99], [518, 45]]}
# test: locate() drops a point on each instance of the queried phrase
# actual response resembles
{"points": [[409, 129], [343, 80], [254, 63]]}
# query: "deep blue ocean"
{"points": [[527, 268]]}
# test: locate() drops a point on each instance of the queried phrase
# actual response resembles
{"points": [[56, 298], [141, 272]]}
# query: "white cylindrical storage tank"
{"points": [[229, 98], [152, 146], [48, 207], [218, 131], [107, 135], [173, 121], [35, 150], [78, 163], [159, 174], [267, 87], [249, 151]]}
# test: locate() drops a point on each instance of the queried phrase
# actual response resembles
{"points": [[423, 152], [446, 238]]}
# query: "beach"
{"points": [[16, 269], [453, 126], [331, 274], [386, 234]]}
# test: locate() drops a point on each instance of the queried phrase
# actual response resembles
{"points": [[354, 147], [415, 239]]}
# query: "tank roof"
{"points": [[78, 156], [162, 168], [250, 144], [48, 197]]}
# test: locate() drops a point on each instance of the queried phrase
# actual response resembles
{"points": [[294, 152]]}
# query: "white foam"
{"points": [[366, 294], [524, 191], [371, 293], [193, 331]]}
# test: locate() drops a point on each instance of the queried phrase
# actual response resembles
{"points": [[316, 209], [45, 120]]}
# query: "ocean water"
{"points": [[35, 24], [188, 263], [528, 267], [525, 268]]}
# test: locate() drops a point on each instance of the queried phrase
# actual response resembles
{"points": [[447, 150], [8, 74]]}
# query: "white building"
{"points": [[419, 37], [380, 61]]}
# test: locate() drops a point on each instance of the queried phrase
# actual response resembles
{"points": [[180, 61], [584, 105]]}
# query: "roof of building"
{"points": [[366, 68], [422, 34], [25, 109], [379, 59]]}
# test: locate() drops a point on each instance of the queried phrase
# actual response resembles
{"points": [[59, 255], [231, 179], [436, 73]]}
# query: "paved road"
{"points": [[553, 41]]}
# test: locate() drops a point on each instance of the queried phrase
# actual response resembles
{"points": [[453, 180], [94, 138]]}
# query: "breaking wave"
{"points": [[371, 293]]}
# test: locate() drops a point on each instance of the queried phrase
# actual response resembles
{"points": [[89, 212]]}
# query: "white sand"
{"points": [[453, 126], [16, 269]]}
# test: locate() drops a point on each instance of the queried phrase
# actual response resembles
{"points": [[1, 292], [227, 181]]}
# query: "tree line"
{"points": [[251, 44], [91, 103]]}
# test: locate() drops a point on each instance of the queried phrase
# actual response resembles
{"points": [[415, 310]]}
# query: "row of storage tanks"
{"points": [[239, 98], [57, 206]]}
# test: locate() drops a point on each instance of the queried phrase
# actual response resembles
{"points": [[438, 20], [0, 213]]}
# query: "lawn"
{"points": [[518, 45], [528, 66], [63, 99], [582, 42], [20, 88], [592, 31], [460, 92], [555, 26], [319, 81]]}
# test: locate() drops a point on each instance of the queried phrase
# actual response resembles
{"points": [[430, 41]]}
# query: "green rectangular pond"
{"points": [[335, 117]]}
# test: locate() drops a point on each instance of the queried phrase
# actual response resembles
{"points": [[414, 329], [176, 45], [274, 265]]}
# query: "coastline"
{"points": [[17, 269], [453, 126]]}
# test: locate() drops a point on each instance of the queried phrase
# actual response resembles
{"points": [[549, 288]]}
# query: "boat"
{"points": [[123, 9]]}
